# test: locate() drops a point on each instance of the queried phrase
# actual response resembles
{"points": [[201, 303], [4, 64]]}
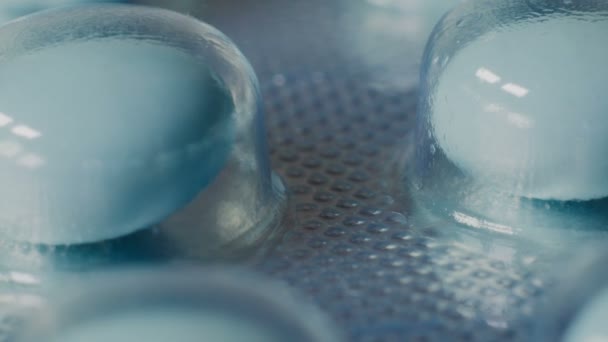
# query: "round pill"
{"points": [[577, 304], [12, 9], [180, 304], [511, 107], [115, 117]]}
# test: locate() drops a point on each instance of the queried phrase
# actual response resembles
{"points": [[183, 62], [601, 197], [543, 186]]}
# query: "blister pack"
{"points": [[365, 190]]}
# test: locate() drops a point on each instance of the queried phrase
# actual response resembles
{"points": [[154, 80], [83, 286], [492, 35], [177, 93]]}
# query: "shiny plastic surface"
{"points": [[116, 118], [338, 127], [13, 9], [179, 304], [576, 310], [511, 121]]}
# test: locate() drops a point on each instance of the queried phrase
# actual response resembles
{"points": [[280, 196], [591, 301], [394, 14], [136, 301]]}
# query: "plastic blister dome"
{"points": [[179, 304], [511, 124], [12, 9], [388, 36], [115, 118], [576, 309]]}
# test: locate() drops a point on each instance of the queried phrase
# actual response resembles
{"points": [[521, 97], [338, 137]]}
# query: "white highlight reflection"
{"points": [[9, 149], [493, 108], [515, 89], [5, 119], [32, 161], [23, 278], [516, 119], [487, 76], [26, 132], [520, 120], [27, 300], [478, 223]]}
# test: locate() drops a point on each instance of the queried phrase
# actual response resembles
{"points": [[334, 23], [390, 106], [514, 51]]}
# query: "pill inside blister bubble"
{"points": [[576, 307], [512, 124], [114, 118], [12, 9], [179, 304], [590, 323]]}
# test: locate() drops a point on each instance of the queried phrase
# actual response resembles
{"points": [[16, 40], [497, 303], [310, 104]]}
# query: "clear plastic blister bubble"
{"points": [[123, 120], [337, 117], [177, 304], [388, 36], [512, 121], [13, 9], [576, 309]]}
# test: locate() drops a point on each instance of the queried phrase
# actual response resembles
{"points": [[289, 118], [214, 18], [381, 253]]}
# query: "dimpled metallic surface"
{"points": [[352, 247]]}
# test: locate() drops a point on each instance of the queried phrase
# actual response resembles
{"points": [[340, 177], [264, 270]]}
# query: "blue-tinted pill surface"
{"points": [[101, 137], [169, 325], [512, 122], [12, 9], [179, 303], [522, 107], [590, 323]]}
